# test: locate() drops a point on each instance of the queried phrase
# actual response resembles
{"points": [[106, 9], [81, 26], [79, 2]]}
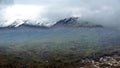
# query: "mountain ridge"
{"points": [[75, 22], [66, 22]]}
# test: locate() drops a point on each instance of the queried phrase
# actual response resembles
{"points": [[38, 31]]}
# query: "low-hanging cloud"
{"points": [[105, 12]]}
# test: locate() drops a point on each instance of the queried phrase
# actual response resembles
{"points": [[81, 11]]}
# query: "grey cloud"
{"points": [[106, 12]]}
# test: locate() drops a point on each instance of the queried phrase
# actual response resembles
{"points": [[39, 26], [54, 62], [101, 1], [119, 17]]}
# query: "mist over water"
{"points": [[48, 12]]}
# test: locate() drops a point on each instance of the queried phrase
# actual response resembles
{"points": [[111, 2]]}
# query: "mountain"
{"points": [[75, 22]]}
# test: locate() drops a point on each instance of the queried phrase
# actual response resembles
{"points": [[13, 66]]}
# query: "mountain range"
{"points": [[66, 22]]}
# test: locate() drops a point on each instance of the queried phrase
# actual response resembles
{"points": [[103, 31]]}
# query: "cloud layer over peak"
{"points": [[105, 12]]}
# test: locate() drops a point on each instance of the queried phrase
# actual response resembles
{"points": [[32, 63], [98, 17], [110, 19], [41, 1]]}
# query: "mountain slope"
{"points": [[75, 22], [67, 22]]}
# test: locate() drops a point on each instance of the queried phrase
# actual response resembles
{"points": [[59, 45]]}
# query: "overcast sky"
{"points": [[106, 12]]}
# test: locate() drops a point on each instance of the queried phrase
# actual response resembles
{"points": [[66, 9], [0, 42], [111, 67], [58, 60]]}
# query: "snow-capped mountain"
{"points": [[75, 22], [67, 22]]}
